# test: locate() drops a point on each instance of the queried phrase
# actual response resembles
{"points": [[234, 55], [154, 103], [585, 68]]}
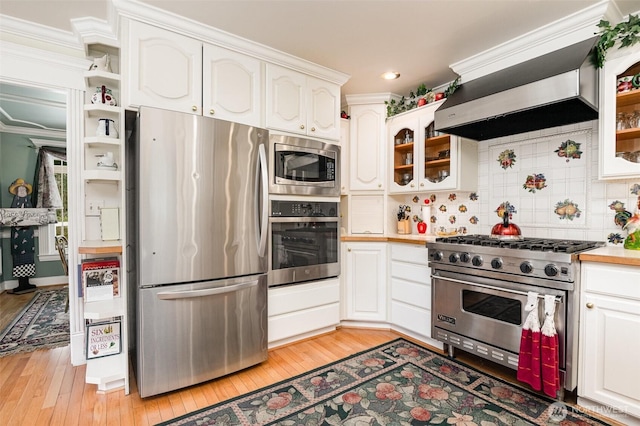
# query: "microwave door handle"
{"points": [[262, 188]]}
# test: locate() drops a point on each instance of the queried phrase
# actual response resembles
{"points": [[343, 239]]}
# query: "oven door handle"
{"points": [[302, 219], [558, 299]]}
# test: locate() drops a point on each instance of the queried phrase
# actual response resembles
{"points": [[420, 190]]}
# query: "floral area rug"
{"points": [[398, 383], [42, 324]]}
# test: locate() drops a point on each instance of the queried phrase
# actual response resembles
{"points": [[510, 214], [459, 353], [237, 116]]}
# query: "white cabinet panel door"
{"points": [[231, 86], [164, 70]]}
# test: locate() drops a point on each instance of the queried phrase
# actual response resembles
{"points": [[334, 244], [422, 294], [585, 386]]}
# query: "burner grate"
{"points": [[531, 244]]}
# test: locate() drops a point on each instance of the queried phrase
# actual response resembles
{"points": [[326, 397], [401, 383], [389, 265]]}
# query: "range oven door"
{"points": [[303, 167], [489, 311], [303, 249]]}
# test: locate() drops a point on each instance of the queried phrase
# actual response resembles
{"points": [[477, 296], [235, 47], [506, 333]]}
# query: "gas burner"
{"points": [[532, 244]]}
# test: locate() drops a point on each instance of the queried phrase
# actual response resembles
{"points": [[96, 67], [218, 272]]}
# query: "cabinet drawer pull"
{"points": [[589, 305]]}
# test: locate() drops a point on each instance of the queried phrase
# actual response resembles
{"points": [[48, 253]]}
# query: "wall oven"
{"points": [[303, 241], [299, 166]]}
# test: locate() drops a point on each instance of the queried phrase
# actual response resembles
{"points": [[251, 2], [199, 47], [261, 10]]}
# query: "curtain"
{"points": [[45, 189]]}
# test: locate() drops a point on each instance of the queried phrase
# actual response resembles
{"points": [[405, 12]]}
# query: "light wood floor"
{"points": [[43, 388]]}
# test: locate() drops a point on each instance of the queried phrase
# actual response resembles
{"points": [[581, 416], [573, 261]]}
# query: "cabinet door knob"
{"points": [[422, 184], [589, 305], [412, 185], [194, 108], [379, 185], [313, 129], [348, 249], [302, 127], [212, 111]]}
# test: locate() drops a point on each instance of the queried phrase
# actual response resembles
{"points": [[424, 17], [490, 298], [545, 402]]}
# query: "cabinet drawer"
{"points": [[409, 253], [301, 322], [303, 296], [615, 280], [411, 272], [411, 293], [411, 318]]}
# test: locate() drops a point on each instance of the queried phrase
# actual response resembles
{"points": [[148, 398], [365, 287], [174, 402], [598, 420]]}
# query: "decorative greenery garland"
{"points": [[411, 102], [626, 33]]}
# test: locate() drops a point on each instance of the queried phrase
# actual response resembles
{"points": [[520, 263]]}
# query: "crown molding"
{"points": [[137, 11], [561, 33], [41, 133], [95, 31], [370, 98], [39, 143], [39, 33]]}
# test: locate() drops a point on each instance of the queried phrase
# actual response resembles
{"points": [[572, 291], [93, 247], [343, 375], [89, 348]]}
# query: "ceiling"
{"points": [[420, 39]]}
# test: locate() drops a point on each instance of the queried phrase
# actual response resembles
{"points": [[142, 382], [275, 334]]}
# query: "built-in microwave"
{"points": [[299, 166]]}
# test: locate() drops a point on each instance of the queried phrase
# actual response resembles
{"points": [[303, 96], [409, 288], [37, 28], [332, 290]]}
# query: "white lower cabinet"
{"points": [[365, 281], [410, 292], [610, 340], [303, 310]]}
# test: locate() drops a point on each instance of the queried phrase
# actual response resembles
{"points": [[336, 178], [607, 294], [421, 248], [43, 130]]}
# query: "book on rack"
{"points": [[100, 279]]}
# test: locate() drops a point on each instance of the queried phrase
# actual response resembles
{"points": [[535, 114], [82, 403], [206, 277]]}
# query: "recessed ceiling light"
{"points": [[391, 75]]}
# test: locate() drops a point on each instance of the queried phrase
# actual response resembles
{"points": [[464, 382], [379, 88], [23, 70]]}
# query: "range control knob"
{"points": [[437, 256], [476, 261], [526, 268], [551, 270], [496, 263], [453, 257], [465, 257]]}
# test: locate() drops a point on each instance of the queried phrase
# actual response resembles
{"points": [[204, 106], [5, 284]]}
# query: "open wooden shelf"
{"points": [[100, 247]]}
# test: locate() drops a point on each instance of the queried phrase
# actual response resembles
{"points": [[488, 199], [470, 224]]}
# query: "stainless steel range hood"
{"points": [[555, 89]]}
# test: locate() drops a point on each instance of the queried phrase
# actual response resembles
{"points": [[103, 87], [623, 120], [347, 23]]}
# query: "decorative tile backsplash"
{"points": [[550, 177]]}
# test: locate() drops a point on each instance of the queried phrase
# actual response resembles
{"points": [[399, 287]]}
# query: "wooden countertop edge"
{"points": [[617, 260], [363, 238]]}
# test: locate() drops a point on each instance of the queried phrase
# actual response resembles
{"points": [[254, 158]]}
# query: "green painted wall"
{"points": [[18, 160]]}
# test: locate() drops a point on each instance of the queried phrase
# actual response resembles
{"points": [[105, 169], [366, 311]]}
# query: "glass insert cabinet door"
{"points": [[437, 153], [619, 135], [628, 114], [403, 157]]}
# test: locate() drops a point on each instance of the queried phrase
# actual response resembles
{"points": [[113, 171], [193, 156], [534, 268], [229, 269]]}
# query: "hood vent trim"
{"points": [[555, 89]]}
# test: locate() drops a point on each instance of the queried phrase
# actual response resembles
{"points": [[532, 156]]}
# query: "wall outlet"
{"points": [[92, 208]]}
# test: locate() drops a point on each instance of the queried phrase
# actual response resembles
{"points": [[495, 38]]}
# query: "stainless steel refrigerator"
{"points": [[196, 191]]}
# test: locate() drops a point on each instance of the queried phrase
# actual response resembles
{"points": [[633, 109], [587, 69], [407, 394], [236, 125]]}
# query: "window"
{"points": [[47, 234]]}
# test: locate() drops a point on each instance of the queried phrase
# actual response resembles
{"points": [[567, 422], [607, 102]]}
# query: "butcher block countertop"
{"points": [[616, 255], [392, 238]]}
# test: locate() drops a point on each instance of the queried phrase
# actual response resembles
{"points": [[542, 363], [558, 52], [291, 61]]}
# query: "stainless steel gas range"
{"points": [[479, 291]]}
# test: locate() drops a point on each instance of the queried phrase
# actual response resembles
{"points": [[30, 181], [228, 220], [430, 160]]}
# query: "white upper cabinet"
{"points": [[620, 116], [421, 159], [301, 104], [323, 109], [367, 148], [164, 70], [231, 85]]}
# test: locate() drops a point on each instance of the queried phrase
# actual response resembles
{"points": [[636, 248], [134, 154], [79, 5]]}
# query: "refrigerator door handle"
{"points": [[172, 295], [262, 190]]}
